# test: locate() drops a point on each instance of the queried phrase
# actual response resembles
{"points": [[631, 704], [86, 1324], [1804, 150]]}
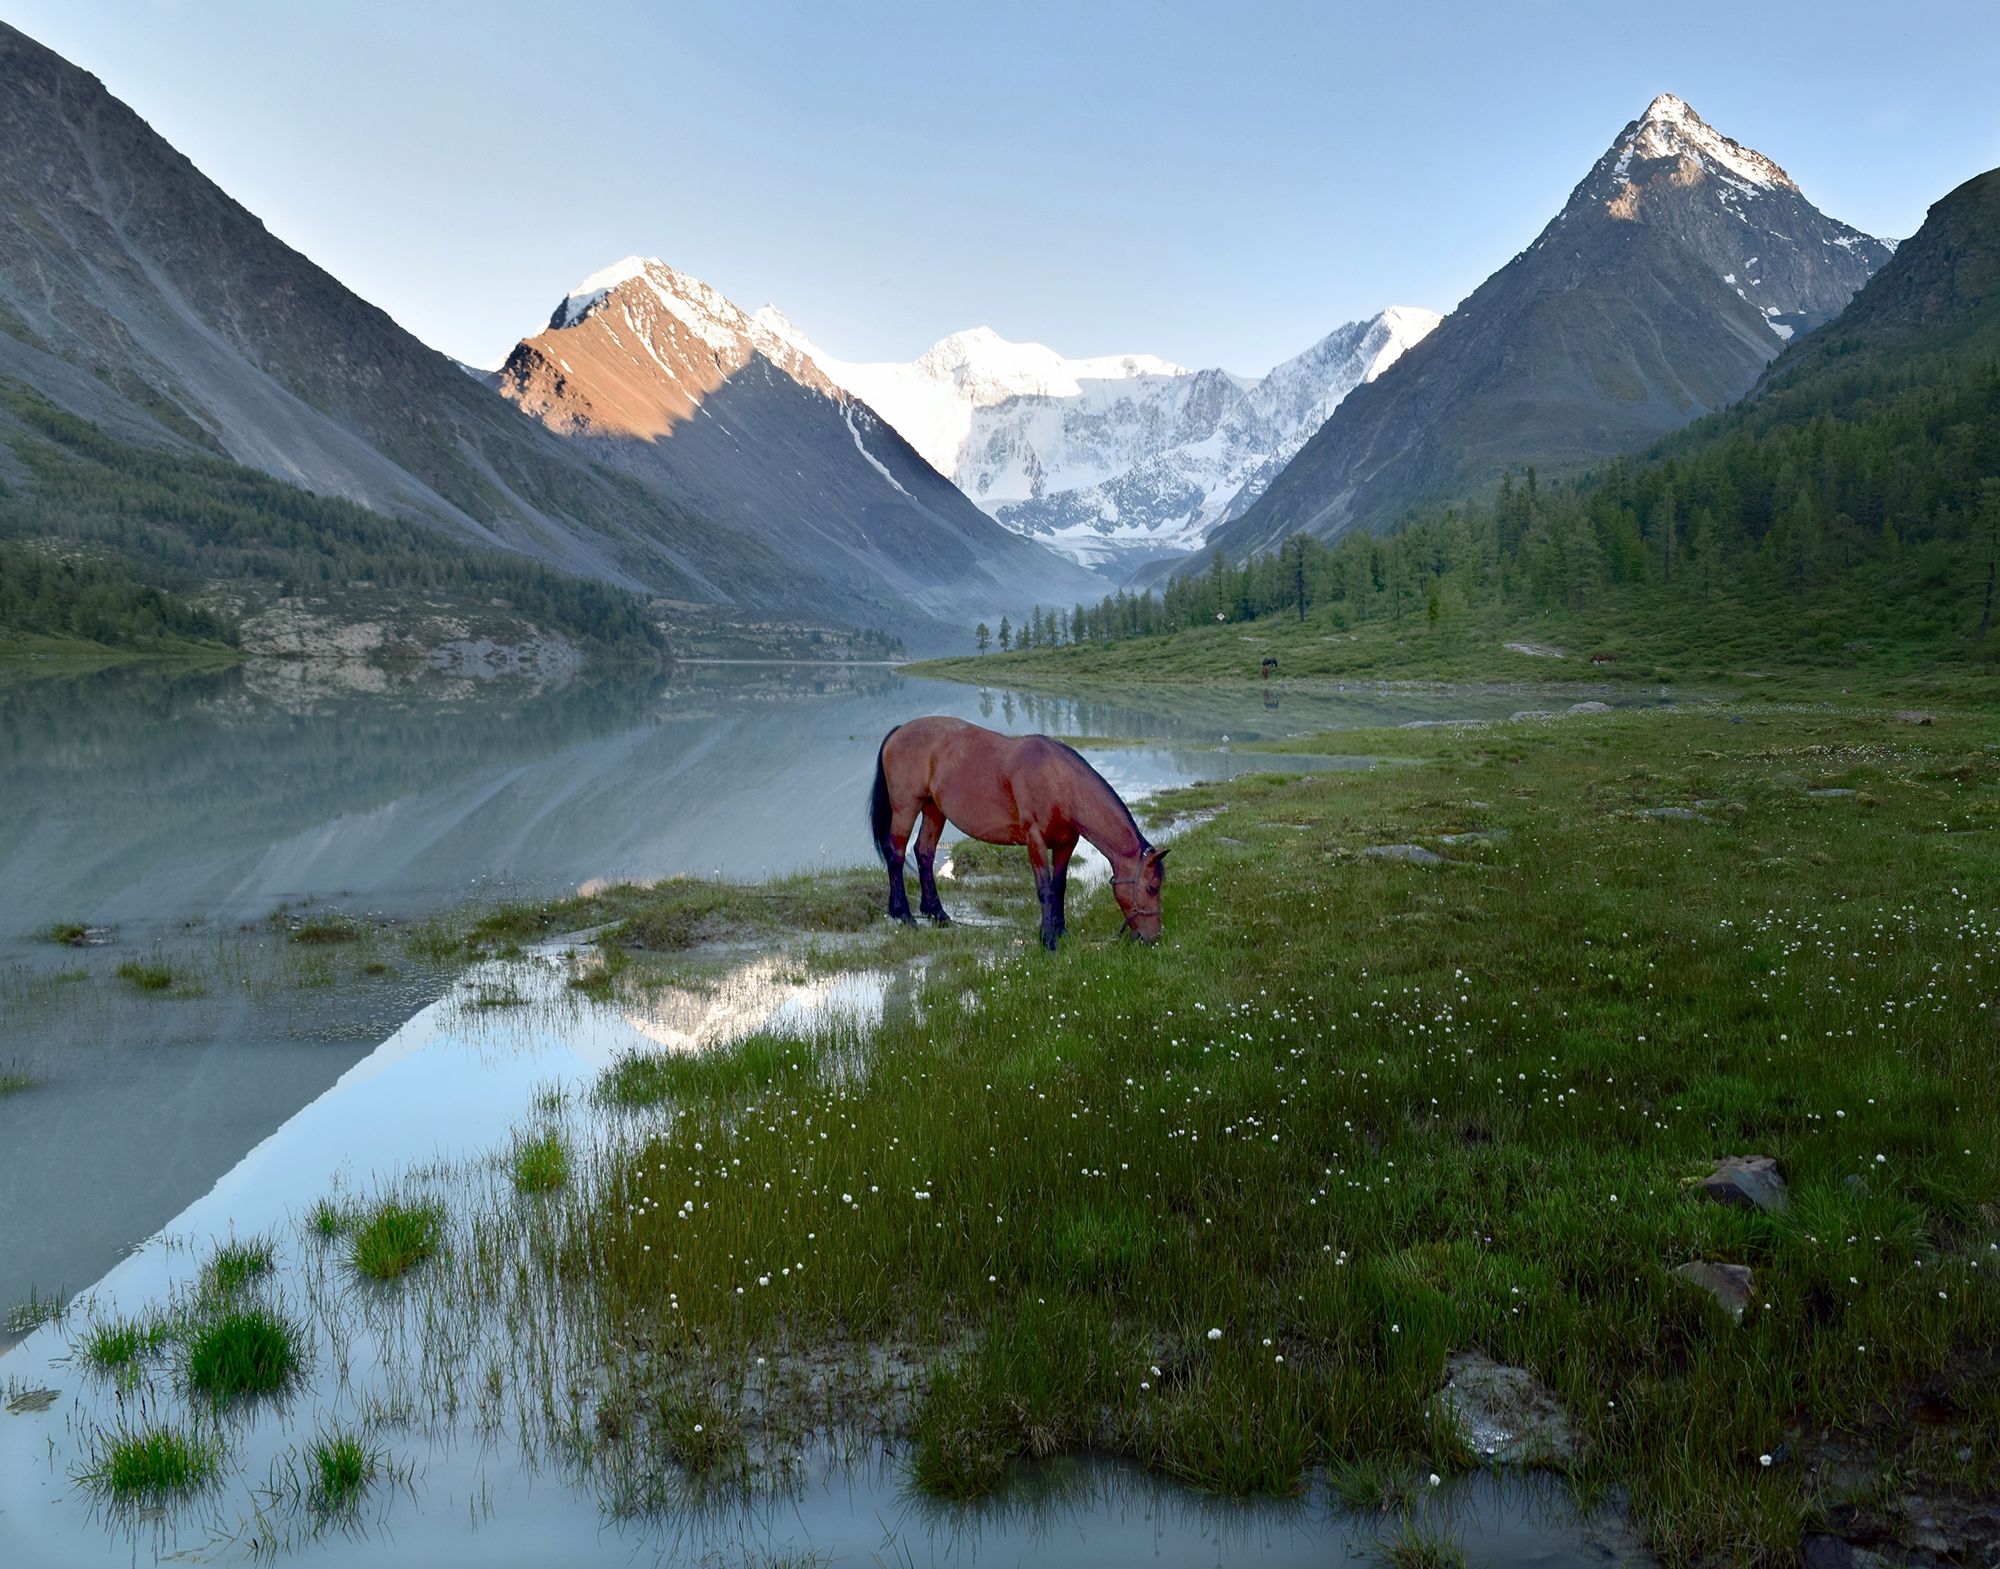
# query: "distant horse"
{"points": [[1007, 789]]}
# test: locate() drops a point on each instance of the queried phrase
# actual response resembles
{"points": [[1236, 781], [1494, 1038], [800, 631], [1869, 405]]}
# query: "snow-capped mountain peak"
{"points": [[1117, 455], [1670, 129]]}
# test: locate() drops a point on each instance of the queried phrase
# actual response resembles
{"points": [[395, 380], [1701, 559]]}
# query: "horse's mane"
{"points": [[1084, 763]]}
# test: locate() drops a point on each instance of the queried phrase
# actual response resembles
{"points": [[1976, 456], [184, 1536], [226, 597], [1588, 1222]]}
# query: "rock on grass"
{"points": [[1506, 1415]]}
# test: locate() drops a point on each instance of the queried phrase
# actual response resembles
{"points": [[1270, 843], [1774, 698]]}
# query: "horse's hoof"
{"points": [[906, 918], [939, 918]]}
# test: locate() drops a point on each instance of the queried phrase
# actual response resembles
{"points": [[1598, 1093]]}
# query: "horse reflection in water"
{"points": [[1007, 789]]}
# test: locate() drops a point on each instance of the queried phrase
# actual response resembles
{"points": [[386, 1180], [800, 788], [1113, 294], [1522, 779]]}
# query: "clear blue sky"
{"points": [[1220, 184]]}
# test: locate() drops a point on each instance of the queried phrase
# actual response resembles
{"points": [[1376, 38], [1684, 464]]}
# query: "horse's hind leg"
{"points": [[927, 843], [901, 820], [1048, 892]]}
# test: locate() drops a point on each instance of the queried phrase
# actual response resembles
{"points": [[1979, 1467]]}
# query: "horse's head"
{"points": [[1138, 894]]}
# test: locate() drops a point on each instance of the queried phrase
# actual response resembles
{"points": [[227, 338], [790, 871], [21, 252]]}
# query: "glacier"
{"points": [[1113, 460]]}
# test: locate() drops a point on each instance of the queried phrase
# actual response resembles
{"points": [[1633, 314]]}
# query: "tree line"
{"points": [[1885, 466]]}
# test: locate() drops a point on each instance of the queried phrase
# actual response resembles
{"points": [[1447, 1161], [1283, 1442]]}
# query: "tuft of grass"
{"points": [[330, 1218], [70, 934], [14, 1082], [1414, 1547], [341, 1466], [436, 942], [235, 1264], [117, 1345], [320, 930], [149, 975], [151, 1465], [25, 1317], [541, 1162], [394, 1237], [246, 1351]]}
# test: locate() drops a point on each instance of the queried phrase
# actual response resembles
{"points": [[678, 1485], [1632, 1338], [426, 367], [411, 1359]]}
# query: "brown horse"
{"points": [[1007, 789]]}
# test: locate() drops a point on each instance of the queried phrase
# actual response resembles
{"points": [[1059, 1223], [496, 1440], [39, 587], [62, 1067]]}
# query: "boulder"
{"points": [[1505, 1414], [1912, 716], [1826, 795], [1590, 708], [1415, 854], [1748, 1182], [1672, 814], [1732, 1285], [1532, 713]]}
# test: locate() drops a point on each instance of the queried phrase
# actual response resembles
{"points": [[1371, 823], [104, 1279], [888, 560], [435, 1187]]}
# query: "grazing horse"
{"points": [[1007, 789]]}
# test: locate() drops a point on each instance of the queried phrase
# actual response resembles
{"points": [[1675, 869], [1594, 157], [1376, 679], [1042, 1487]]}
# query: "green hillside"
{"points": [[136, 548]]}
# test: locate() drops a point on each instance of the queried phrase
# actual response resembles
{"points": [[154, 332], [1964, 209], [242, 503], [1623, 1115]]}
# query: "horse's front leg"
{"points": [[927, 845], [1059, 855]]}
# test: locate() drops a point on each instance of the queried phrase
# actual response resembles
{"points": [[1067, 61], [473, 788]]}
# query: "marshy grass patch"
{"points": [[505, 994], [394, 1236], [15, 1081], [236, 1264], [541, 1162], [67, 934], [148, 975], [35, 1310], [120, 1345], [1419, 1546], [754, 1063], [329, 1219], [151, 1464], [340, 1466], [249, 1350], [322, 930]]}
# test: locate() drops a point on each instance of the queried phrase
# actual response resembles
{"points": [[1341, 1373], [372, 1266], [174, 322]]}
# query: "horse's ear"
{"points": [[1160, 855]]}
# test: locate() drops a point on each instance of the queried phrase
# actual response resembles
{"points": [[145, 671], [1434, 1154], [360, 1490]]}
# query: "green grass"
{"points": [[341, 1467], [324, 929], [69, 934], [118, 1345], [541, 1162], [668, 916], [330, 1218], [150, 1465], [393, 1237], [235, 1264], [755, 1062], [1358, 1115], [149, 975], [1858, 641], [1414, 1547], [243, 1351], [14, 1082]]}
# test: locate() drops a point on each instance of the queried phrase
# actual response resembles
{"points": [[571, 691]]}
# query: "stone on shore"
{"points": [[1505, 1414]]}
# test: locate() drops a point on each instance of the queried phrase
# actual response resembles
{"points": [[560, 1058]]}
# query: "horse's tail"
{"points": [[878, 803]]}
